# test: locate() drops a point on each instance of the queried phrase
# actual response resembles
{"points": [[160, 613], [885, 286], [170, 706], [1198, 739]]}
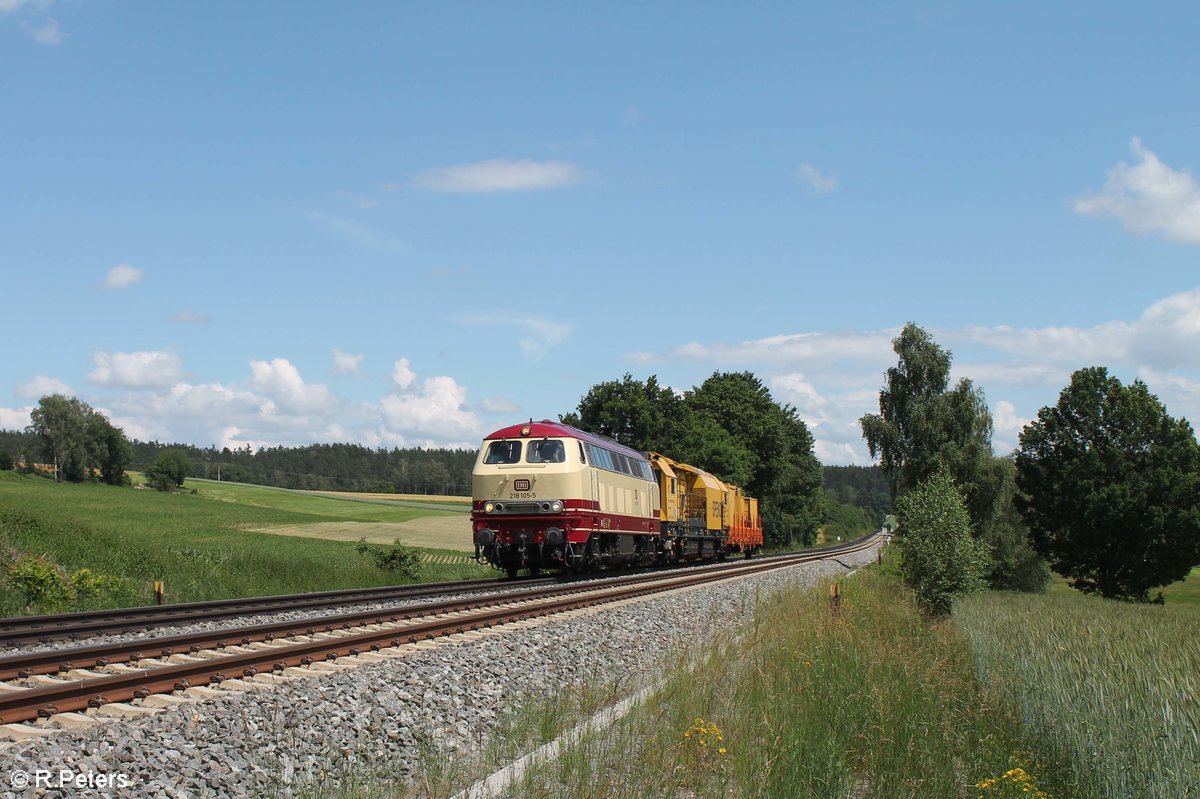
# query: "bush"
{"points": [[941, 559], [39, 584], [6, 461], [103, 590], [396, 558], [168, 471]]}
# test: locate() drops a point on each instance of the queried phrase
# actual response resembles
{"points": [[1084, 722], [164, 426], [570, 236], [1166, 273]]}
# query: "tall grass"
{"points": [[1109, 691], [876, 701]]}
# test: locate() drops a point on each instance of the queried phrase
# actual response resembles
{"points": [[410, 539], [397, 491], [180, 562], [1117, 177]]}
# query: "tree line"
{"points": [[84, 445]]}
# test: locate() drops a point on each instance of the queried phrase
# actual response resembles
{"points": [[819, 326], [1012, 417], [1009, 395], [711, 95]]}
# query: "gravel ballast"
{"points": [[282, 739]]}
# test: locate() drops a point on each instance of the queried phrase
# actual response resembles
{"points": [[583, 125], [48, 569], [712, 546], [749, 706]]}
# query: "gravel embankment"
{"points": [[284, 739]]}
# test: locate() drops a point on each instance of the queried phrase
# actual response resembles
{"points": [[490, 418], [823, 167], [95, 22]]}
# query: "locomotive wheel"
{"points": [[512, 571]]}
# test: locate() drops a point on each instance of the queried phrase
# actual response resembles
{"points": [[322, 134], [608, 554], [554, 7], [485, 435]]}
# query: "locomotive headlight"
{"points": [[556, 506], [488, 507]]}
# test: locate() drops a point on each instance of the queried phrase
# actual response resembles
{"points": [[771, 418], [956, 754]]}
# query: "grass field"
{"points": [[1184, 593], [1109, 691], [204, 544]]}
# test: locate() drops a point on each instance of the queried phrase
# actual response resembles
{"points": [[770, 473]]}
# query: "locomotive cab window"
{"points": [[546, 452], [502, 452]]}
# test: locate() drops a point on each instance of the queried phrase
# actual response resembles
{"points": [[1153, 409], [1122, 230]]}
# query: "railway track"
{"points": [[74, 626], [98, 676]]}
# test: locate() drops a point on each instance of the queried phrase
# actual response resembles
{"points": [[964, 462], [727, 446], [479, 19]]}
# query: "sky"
{"points": [[411, 224]]}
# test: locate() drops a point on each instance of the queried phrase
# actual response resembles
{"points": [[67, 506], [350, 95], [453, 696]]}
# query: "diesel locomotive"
{"points": [[546, 496]]}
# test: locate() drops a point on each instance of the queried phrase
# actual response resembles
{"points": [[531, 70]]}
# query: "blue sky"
{"points": [[410, 224]]}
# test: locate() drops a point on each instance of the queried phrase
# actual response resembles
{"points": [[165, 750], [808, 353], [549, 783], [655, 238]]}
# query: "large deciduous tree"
{"points": [[1111, 487], [80, 440], [784, 472], [60, 423], [924, 426]]}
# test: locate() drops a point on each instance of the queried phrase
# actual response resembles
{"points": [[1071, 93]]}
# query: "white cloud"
{"points": [[281, 382], [123, 276], [8, 6], [40, 386], [135, 370], [1148, 197], [357, 232], [498, 405], [15, 418], [819, 182], [544, 335], [1168, 333], [500, 175], [1006, 427], [1179, 394], [47, 32], [346, 364], [187, 317], [438, 410], [870, 348], [833, 378], [402, 373]]}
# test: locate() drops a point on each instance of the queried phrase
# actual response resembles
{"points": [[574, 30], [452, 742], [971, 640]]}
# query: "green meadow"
{"points": [[200, 541], [1185, 593]]}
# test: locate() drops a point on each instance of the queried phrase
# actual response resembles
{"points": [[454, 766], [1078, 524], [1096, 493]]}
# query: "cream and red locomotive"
{"points": [[549, 496]]}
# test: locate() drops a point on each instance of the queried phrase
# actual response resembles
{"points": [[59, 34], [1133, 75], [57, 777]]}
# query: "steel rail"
{"points": [[94, 692], [22, 629]]}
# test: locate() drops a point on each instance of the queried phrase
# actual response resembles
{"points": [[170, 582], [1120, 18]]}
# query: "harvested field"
{"points": [[431, 532]]}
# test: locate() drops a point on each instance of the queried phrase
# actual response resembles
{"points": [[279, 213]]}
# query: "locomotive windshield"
{"points": [[546, 452], [500, 452]]}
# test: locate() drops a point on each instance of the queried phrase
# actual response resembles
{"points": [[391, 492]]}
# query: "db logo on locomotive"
{"points": [[521, 485]]}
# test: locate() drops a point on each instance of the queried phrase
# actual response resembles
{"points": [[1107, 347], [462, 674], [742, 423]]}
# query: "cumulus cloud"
{"points": [[542, 336], [122, 276], [500, 175], [135, 370], [346, 364], [281, 382], [1148, 197], [437, 410], [402, 373], [1168, 333], [41, 386], [813, 177], [831, 416], [15, 418], [1007, 424]]}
